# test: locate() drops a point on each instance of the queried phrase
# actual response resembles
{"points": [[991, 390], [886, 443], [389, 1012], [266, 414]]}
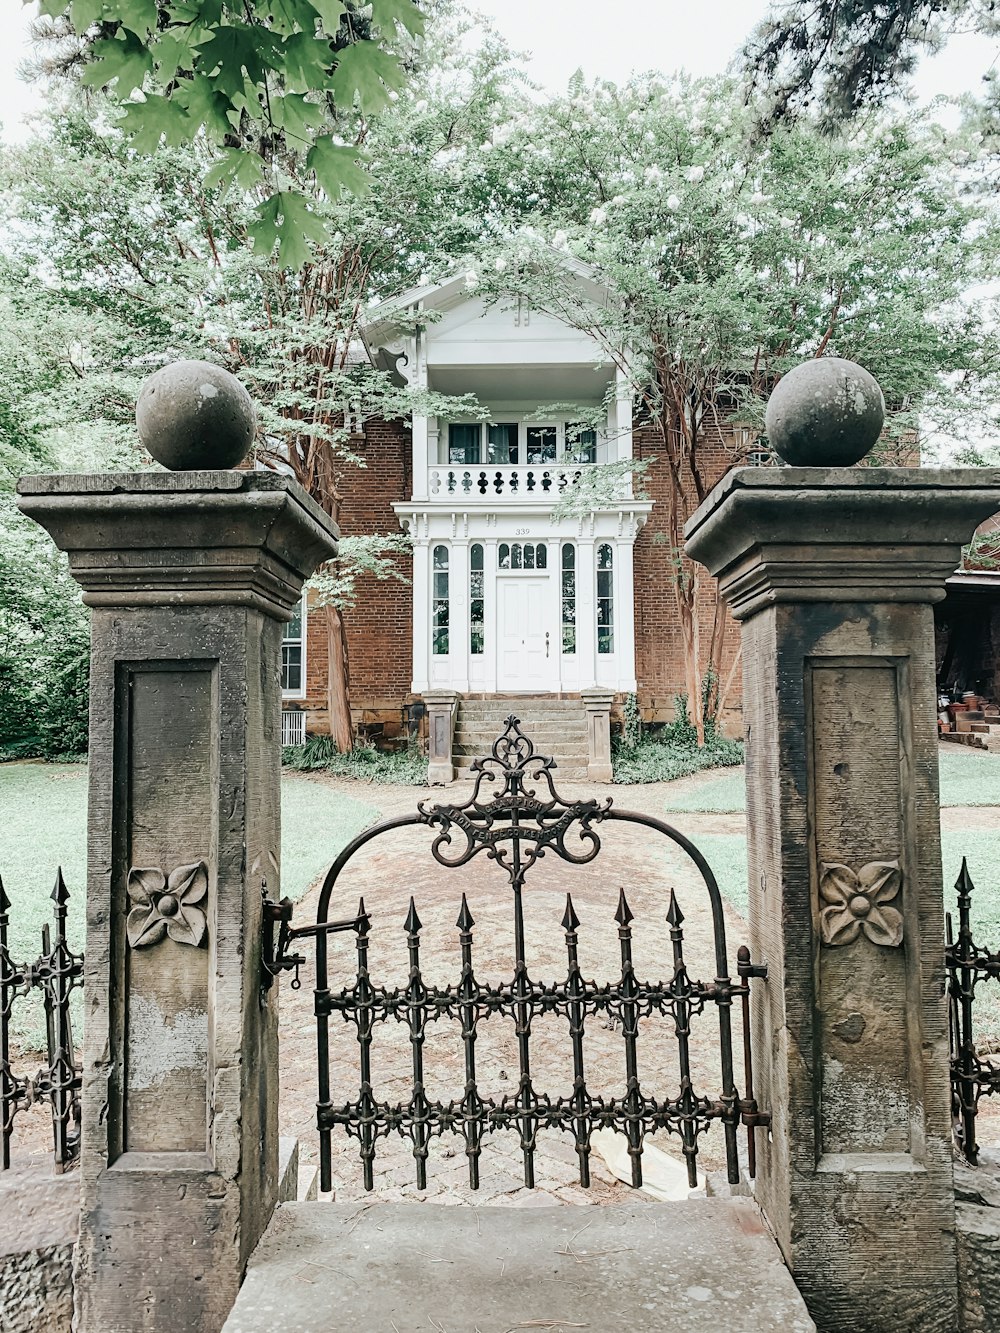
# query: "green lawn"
{"points": [[43, 817], [968, 777]]}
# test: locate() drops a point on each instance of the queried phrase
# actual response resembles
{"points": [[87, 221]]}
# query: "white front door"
{"points": [[528, 649]]}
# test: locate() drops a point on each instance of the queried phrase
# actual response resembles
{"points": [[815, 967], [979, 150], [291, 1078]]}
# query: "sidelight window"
{"points": [[569, 598], [477, 605], [605, 600], [440, 602]]}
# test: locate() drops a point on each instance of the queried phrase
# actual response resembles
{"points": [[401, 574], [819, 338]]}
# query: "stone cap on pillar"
{"points": [[891, 534], [184, 538]]}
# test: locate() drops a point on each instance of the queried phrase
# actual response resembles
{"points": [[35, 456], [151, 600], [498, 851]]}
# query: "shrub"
{"points": [[365, 762], [672, 751]]}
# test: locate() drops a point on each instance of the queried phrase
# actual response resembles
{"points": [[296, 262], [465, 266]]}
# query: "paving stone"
{"points": [[672, 1268]]}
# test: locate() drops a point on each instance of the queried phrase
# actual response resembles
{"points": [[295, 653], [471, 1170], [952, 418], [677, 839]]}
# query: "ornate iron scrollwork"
{"points": [[515, 815], [513, 825]]}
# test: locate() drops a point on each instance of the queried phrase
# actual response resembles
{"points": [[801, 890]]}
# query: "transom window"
{"points": [[291, 653], [528, 555]]}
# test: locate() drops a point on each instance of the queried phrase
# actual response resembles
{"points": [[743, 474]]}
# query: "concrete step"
{"points": [[511, 703], [674, 1267], [571, 769], [541, 735]]}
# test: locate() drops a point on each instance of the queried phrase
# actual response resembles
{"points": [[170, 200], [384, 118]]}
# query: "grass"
{"points": [[43, 815], [967, 778], [981, 848]]}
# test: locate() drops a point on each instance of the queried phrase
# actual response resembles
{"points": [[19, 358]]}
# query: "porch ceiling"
{"points": [[528, 384]]}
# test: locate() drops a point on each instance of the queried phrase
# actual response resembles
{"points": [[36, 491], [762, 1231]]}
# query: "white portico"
{"points": [[508, 597]]}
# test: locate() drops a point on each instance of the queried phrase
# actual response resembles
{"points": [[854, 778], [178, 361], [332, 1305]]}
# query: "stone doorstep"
{"points": [[404, 1267], [40, 1214]]}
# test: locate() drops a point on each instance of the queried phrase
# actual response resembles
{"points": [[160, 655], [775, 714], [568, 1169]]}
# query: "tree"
{"points": [[842, 56], [257, 80], [169, 263], [725, 267]]}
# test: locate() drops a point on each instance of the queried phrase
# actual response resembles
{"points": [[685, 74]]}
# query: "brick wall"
{"points": [[379, 625], [659, 646]]}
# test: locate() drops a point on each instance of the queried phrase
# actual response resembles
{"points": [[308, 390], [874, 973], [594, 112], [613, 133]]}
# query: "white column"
{"points": [[586, 611], [458, 638], [553, 547], [623, 409], [420, 457], [490, 628], [421, 614], [625, 617]]}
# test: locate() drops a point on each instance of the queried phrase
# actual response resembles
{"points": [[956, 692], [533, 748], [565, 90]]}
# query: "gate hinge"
{"points": [[753, 1117]]}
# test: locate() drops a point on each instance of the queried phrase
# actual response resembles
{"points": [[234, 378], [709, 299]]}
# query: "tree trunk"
{"points": [[338, 690]]}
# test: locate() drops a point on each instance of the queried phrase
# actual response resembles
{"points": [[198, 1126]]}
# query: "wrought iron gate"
{"points": [[516, 826]]}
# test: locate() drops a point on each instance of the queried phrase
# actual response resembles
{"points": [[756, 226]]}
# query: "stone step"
{"points": [[542, 735], [573, 770], [711, 1264], [512, 701]]}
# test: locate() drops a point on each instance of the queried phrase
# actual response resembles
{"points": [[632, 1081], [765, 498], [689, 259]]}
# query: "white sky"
{"points": [[563, 35]]}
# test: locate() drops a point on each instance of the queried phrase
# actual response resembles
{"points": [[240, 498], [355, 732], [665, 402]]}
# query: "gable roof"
{"points": [[385, 317]]}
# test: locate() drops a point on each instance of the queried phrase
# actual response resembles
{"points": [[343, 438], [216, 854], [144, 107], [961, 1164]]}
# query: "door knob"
{"points": [[546, 643]]}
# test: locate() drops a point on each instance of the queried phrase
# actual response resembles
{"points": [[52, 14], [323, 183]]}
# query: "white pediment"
{"points": [[476, 334]]}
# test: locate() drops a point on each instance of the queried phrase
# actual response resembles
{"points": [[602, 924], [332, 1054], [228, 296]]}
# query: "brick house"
{"points": [[503, 598]]}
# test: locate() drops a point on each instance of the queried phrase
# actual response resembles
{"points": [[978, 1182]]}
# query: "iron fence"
{"points": [[969, 964], [56, 972], [515, 825]]}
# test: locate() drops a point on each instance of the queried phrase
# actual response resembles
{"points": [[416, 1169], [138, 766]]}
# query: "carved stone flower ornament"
{"points": [[856, 902], [167, 905]]}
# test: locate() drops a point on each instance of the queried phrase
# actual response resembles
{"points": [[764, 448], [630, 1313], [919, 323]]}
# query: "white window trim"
{"points": [[523, 421], [300, 693]]}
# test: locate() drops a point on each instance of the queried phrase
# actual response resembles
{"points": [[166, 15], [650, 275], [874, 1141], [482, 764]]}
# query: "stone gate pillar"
{"points": [[832, 573], [190, 576]]}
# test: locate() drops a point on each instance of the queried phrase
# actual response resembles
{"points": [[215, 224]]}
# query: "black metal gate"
{"points": [[516, 826]]}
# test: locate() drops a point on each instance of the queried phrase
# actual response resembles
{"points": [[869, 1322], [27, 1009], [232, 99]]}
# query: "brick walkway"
{"points": [[386, 872]]}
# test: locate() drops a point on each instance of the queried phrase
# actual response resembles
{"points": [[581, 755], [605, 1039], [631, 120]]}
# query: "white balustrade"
{"points": [[496, 483]]}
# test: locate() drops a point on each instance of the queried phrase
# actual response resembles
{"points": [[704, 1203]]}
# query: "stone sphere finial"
{"points": [[193, 415], [825, 413]]}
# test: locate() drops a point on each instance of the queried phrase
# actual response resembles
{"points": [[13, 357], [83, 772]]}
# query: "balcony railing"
{"points": [[542, 482]]}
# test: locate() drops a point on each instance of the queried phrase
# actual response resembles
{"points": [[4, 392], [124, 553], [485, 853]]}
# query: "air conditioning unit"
{"points": [[293, 726]]}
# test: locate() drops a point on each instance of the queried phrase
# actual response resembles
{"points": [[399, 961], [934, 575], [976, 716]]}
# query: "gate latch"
{"points": [[274, 953]]}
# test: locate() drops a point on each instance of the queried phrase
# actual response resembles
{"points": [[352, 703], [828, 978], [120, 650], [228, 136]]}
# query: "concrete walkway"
{"points": [[395, 1268]]}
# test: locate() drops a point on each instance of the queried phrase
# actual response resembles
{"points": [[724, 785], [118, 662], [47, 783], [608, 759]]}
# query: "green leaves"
{"points": [[256, 79], [404, 12], [237, 167], [337, 168], [287, 221], [235, 48], [366, 71], [122, 57]]}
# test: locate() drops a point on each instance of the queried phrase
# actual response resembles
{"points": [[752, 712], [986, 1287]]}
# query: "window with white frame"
{"points": [[605, 599], [477, 604], [507, 443], [440, 600], [527, 555], [569, 598], [293, 654]]}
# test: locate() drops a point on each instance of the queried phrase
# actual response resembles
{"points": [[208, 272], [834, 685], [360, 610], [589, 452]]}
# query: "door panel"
{"points": [[528, 651]]}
